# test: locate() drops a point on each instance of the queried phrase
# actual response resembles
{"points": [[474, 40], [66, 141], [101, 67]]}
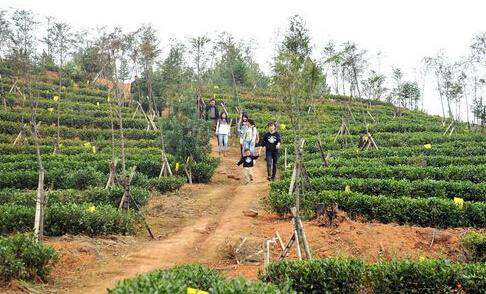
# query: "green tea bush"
{"points": [[333, 275], [111, 196], [166, 184], [57, 178], [350, 275], [23, 257], [474, 244], [69, 218], [396, 188], [179, 278], [430, 212], [203, 171], [428, 276]]}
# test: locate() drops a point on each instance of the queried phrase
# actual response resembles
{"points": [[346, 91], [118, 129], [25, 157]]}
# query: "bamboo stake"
{"points": [[280, 242]]}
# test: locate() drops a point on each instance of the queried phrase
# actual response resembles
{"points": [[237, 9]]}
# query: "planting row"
{"points": [[430, 212], [88, 134], [422, 161], [350, 275], [473, 173], [333, 275], [75, 120], [395, 188]]}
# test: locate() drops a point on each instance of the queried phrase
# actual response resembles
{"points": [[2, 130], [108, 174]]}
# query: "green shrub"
{"points": [[428, 276], [175, 280], [203, 171], [179, 278], [111, 196], [166, 184], [396, 188], [23, 257], [339, 275], [474, 244], [350, 275], [430, 212], [69, 218]]}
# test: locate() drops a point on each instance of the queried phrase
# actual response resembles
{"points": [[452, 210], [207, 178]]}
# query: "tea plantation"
{"points": [[77, 200], [415, 177]]}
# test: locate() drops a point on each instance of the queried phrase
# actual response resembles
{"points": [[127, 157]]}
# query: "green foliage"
{"points": [[23, 257], [185, 134], [166, 184], [431, 212], [69, 218], [333, 275], [474, 244], [397, 188], [178, 279], [203, 171], [111, 196], [350, 275], [429, 276]]}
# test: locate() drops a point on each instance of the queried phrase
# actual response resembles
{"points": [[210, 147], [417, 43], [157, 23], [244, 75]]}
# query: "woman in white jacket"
{"points": [[223, 131], [250, 137]]}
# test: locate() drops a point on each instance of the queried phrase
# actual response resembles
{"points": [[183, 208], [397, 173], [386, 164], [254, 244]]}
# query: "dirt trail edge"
{"points": [[197, 242]]}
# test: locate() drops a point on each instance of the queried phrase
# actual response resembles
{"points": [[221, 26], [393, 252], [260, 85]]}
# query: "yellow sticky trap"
{"points": [[459, 202], [428, 146], [282, 127], [93, 149], [87, 145], [347, 189], [196, 291], [55, 98], [177, 167], [422, 258], [91, 209], [50, 109]]}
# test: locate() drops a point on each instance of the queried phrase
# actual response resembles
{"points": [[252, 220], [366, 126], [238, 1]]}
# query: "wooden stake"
{"points": [[266, 247], [112, 176], [288, 246], [300, 230], [297, 241], [280, 242], [39, 207]]}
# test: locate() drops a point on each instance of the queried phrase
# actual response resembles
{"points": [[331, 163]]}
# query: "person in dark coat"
{"points": [[271, 141]]}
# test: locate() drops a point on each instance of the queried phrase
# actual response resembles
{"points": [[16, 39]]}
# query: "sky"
{"points": [[403, 31]]}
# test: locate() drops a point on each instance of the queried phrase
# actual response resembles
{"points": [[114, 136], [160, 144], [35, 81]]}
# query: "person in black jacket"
{"points": [[212, 113], [248, 162], [271, 141]]}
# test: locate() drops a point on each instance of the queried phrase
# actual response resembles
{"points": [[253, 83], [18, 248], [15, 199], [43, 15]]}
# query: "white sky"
{"points": [[404, 31]]}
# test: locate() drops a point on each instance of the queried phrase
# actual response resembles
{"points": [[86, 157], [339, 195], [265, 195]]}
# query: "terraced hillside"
{"points": [[423, 182], [76, 176], [413, 176]]}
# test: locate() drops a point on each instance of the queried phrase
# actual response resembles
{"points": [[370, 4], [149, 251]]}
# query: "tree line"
{"points": [[31, 44]]}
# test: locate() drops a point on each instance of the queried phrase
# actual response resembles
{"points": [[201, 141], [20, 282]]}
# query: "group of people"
{"points": [[249, 140]]}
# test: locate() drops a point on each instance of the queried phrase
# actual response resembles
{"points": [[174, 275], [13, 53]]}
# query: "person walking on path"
{"points": [[250, 137], [243, 125], [248, 161], [212, 113], [223, 131], [271, 141]]}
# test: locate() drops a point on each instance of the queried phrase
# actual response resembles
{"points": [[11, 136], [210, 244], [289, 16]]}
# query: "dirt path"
{"points": [[197, 242]]}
